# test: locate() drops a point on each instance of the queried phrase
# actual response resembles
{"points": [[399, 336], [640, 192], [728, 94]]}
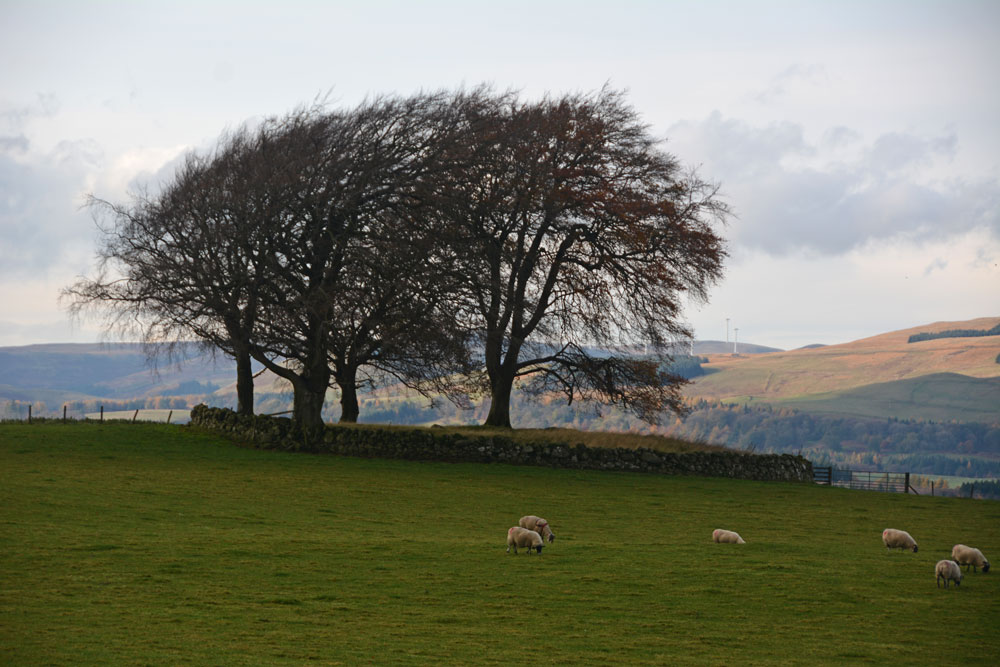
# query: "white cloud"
{"points": [[791, 195]]}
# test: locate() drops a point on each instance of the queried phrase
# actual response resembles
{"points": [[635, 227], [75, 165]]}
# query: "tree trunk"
{"points": [[502, 370], [500, 391], [308, 407], [310, 392], [244, 383], [349, 409]]}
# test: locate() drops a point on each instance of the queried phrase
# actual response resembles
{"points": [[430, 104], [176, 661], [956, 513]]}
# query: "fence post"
{"points": [[102, 413], [29, 413], [932, 487], [135, 415], [169, 415], [972, 489], [907, 488], [64, 414]]}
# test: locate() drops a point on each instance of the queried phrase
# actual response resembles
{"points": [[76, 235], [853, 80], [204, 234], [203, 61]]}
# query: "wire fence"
{"points": [[163, 415], [867, 480]]}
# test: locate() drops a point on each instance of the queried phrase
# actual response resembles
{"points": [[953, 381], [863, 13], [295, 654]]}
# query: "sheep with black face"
{"points": [[898, 539], [967, 556], [522, 537], [949, 571], [539, 525]]}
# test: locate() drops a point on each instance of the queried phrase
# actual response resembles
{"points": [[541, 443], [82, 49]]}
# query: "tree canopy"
{"points": [[453, 241]]}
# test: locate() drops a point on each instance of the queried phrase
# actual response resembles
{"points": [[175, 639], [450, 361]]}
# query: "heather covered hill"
{"points": [[799, 374]]}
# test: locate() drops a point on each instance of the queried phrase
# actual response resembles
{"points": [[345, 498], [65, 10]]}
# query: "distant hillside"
{"points": [[722, 347], [937, 397], [931, 406], [117, 375], [812, 376]]}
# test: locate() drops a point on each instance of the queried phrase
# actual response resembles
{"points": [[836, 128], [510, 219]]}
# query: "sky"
{"points": [[857, 143]]}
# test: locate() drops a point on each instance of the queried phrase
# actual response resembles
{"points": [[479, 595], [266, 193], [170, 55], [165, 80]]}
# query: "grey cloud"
{"points": [[15, 118], [735, 149], [938, 264], [834, 208], [840, 136], [789, 78], [895, 151], [18, 144], [43, 225], [985, 258]]}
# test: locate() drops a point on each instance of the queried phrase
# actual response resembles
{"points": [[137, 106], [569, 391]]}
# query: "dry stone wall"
{"points": [[421, 444]]}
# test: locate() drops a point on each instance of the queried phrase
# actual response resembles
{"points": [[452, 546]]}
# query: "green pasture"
{"points": [[153, 544], [938, 397]]}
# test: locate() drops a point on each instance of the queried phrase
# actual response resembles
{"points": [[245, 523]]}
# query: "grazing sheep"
{"points": [[967, 556], [947, 570], [726, 537], [539, 525], [522, 537], [898, 539]]}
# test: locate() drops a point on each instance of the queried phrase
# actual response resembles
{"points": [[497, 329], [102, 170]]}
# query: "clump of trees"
{"points": [[954, 333], [456, 242]]}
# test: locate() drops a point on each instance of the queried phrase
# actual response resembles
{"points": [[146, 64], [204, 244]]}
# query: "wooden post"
{"points": [[64, 414], [169, 415], [907, 489], [972, 489], [102, 413], [135, 415], [932, 487], [29, 413]]}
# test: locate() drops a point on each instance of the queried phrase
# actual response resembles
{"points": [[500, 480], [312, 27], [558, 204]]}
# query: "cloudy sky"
{"points": [[857, 142]]}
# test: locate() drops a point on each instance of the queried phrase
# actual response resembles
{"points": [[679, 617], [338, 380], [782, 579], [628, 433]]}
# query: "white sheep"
{"points": [[539, 525], [898, 539], [967, 556], [522, 537], [947, 570], [726, 537]]}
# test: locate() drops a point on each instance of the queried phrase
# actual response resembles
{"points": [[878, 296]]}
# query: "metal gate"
{"points": [[868, 480]]}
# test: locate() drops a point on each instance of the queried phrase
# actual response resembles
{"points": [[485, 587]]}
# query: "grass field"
{"points": [[153, 544]]}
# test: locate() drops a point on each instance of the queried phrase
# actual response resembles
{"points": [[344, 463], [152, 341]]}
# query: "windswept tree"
{"points": [[577, 236], [352, 290], [188, 263], [292, 244]]}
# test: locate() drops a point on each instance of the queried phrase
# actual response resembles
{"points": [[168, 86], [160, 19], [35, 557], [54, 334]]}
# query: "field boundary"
{"points": [[867, 480], [430, 444]]}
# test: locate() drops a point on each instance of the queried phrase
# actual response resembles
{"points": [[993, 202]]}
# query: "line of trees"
{"points": [[954, 333], [454, 241]]}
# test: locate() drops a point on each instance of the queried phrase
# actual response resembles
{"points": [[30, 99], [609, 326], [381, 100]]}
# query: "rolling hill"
{"points": [[930, 407], [876, 377], [937, 397]]}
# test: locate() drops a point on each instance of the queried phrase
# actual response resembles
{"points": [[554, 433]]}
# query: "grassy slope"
{"points": [[837, 369], [153, 544], [938, 397]]}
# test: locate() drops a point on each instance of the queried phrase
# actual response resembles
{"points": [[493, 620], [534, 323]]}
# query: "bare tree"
{"points": [[350, 261], [294, 244], [577, 233], [187, 264]]}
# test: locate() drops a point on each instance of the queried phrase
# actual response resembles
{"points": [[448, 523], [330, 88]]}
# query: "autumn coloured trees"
{"points": [[456, 242]]}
